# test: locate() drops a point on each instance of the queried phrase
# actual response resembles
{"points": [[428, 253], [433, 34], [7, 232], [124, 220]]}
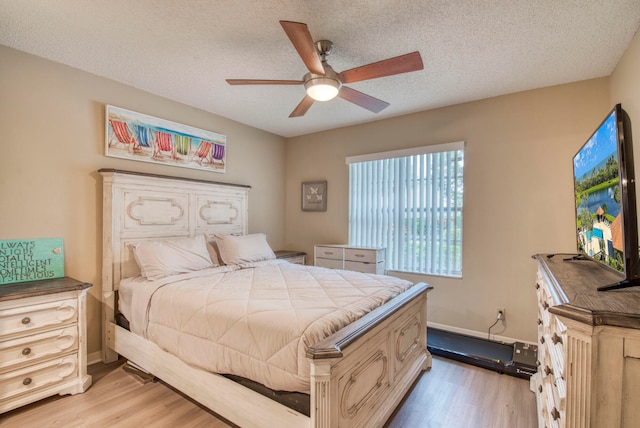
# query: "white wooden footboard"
{"points": [[360, 374]]}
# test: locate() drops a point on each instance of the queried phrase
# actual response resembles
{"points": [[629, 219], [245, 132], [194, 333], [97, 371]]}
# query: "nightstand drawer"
{"points": [[330, 253], [39, 376], [295, 257], [298, 260], [32, 317], [38, 347]]}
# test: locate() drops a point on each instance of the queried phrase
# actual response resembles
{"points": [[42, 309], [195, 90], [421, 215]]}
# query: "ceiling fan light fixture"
{"points": [[322, 83], [322, 88]]}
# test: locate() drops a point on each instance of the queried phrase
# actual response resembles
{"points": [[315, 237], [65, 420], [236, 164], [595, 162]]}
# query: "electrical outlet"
{"points": [[501, 314]]}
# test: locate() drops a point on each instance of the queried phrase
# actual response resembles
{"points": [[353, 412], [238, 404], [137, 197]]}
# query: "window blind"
{"points": [[410, 202]]}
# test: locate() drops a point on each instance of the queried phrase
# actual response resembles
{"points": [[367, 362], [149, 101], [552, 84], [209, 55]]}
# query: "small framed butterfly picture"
{"points": [[314, 196]]}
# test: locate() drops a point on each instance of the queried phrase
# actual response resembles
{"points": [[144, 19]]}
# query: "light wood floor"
{"points": [[451, 394]]}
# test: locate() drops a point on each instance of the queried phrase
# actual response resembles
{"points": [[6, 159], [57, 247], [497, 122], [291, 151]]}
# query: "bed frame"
{"points": [[358, 375]]}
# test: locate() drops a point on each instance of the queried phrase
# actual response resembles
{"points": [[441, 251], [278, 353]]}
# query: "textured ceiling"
{"points": [[185, 49]]}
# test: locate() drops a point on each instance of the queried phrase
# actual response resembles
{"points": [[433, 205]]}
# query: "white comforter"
{"points": [[254, 321]]}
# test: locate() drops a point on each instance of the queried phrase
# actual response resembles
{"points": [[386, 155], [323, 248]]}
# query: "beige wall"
{"points": [[625, 89], [518, 192], [52, 127], [518, 185]]}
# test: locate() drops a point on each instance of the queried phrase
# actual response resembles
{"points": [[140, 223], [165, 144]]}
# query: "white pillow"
{"points": [[158, 259], [244, 249]]}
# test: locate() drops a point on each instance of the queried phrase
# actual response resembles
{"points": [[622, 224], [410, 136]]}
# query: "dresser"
{"points": [[589, 346], [42, 340], [347, 257]]}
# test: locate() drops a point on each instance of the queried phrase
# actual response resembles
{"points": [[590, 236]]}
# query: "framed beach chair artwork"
{"points": [[136, 136]]}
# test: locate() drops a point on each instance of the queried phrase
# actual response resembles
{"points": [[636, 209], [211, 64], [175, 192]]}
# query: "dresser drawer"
{"points": [[334, 253], [366, 255], [364, 267], [329, 263], [27, 318], [37, 347], [38, 376]]}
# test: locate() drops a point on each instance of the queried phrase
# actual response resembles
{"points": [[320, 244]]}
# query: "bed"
{"points": [[357, 375]]}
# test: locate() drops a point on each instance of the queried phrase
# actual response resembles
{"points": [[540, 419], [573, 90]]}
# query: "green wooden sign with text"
{"points": [[31, 260]]}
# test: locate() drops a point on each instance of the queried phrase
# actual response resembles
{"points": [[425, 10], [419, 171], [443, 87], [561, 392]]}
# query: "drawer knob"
{"points": [[537, 286], [548, 370], [555, 414], [27, 381], [556, 339], [545, 305], [360, 255], [26, 351], [539, 321], [540, 388], [542, 340], [26, 320]]}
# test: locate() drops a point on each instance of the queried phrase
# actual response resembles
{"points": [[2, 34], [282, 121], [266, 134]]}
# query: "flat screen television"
{"points": [[605, 197]]}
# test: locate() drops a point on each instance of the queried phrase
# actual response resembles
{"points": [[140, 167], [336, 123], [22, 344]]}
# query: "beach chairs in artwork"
{"points": [[144, 135], [172, 146], [203, 152], [210, 153], [218, 153], [164, 147], [161, 145], [123, 136], [183, 145]]}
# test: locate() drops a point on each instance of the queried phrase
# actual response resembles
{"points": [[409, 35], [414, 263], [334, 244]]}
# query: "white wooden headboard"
{"points": [[139, 207]]}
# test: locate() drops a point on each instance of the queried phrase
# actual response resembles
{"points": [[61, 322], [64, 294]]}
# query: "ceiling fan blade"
{"points": [[363, 100], [387, 67], [302, 108], [300, 36], [263, 82]]}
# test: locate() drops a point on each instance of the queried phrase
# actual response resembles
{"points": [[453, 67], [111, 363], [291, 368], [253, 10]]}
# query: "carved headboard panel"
{"points": [[139, 207]]}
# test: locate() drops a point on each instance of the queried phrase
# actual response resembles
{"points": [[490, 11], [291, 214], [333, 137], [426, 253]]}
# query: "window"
{"points": [[410, 202]]}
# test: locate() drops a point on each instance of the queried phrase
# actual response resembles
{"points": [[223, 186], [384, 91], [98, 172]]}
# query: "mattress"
{"points": [[256, 320]]}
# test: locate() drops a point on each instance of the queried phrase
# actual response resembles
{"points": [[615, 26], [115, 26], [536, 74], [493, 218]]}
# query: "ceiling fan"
{"points": [[322, 83]]}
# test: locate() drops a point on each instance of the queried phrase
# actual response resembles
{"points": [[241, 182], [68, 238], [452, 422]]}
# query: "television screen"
{"points": [[605, 197]]}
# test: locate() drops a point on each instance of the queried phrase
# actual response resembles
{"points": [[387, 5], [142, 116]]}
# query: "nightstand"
{"points": [[43, 340], [297, 257]]}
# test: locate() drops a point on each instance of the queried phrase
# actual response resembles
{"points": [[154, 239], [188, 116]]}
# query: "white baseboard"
{"points": [[473, 333]]}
